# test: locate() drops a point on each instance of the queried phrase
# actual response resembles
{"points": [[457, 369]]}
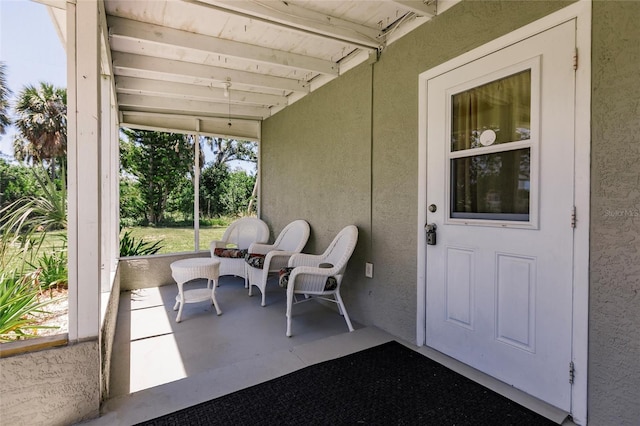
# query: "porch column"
{"points": [[110, 172], [84, 169]]}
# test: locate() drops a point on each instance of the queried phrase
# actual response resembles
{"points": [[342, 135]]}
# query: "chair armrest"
{"points": [[303, 259], [310, 280], [313, 270], [217, 244], [277, 259], [260, 248]]}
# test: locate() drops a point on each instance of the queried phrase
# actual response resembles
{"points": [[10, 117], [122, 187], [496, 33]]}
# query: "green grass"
{"points": [[175, 240], [12, 259]]}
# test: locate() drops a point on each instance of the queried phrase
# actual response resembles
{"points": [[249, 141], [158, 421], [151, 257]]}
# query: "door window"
{"points": [[490, 149]]}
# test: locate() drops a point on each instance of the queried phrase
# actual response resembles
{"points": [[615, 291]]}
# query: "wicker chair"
{"points": [[320, 276], [265, 259], [235, 242]]}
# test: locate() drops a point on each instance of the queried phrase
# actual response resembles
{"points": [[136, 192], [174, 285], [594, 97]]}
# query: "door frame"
{"points": [[581, 12]]}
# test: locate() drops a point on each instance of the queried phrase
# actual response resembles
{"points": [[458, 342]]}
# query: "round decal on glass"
{"points": [[487, 137]]}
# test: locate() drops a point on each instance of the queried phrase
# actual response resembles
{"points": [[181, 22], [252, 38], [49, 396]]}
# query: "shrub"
{"points": [[130, 246], [51, 268], [18, 304], [24, 218]]}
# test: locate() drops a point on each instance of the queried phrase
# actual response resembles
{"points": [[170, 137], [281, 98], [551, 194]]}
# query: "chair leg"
{"points": [[289, 305], [246, 276], [258, 283], [343, 310], [250, 279]]}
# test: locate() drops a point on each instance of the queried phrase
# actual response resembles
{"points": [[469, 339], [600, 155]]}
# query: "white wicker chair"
{"points": [[239, 236], [320, 276], [292, 239]]}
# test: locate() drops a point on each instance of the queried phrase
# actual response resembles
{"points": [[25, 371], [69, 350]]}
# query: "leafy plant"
{"points": [[18, 304], [131, 246], [23, 218], [50, 269]]}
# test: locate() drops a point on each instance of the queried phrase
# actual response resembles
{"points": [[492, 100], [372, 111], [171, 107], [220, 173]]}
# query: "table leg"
{"points": [[213, 297], [179, 302]]}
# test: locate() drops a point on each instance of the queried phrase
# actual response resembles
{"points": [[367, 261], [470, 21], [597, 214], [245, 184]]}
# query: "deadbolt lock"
{"points": [[431, 234]]}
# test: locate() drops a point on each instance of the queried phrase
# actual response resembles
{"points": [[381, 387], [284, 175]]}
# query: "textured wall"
{"points": [[150, 271], [614, 311], [325, 161], [315, 165], [108, 333], [59, 386]]}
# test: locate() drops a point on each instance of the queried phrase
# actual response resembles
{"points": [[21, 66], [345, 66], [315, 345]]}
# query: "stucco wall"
{"points": [[316, 165], [138, 272], [108, 332], [58, 386], [325, 160], [614, 311]]}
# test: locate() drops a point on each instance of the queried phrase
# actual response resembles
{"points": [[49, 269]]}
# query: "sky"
{"points": [[31, 50]]}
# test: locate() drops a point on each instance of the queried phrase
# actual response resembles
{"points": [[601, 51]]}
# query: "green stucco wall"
{"points": [[614, 299], [316, 165], [348, 153], [344, 168]]}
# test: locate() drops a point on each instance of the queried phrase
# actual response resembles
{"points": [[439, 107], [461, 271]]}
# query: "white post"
{"points": [[106, 177], [196, 188], [114, 225], [83, 147]]}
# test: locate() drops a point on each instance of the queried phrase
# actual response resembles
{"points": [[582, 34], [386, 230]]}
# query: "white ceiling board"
{"points": [[207, 126], [175, 57]]}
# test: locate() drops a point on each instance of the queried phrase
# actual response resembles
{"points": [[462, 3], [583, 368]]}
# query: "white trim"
{"points": [[582, 203], [105, 181], [72, 181], [533, 143], [581, 12], [196, 188], [84, 170]]}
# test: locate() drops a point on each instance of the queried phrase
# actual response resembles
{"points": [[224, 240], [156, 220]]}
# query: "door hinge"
{"points": [[572, 372], [573, 217], [575, 60]]}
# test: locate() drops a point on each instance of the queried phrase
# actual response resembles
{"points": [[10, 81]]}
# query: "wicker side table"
{"points": [[189, 269]]}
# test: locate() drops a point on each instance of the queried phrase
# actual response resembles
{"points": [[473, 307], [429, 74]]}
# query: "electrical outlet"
{"points": [[368, 270]]}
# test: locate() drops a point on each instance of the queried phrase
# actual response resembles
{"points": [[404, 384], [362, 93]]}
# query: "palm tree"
{"points": [[5, 93], [42, 123]]}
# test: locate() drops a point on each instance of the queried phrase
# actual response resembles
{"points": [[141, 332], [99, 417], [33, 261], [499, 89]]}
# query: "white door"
{"points": [[500, 190]]}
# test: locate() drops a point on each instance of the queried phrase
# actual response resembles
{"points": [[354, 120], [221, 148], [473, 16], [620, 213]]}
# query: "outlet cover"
{"points": [[368, 270]]}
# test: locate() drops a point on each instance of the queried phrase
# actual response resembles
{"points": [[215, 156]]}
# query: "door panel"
{"points": [[500, 149]]}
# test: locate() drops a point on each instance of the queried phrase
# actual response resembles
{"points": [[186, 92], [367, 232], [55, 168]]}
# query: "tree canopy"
{"points": [[159, 161], [5, 93], [42, 123], [157, 177], [227, 150]]}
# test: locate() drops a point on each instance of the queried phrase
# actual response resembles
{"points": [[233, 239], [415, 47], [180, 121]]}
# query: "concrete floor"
{"points": [[160, 366]]}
